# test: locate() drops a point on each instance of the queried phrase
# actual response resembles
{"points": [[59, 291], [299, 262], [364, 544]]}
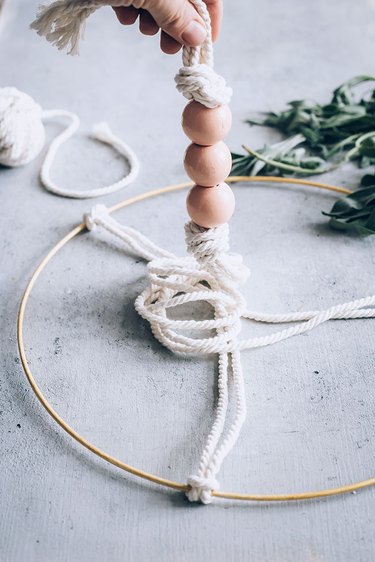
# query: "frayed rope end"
{"points": [[62, 23]]}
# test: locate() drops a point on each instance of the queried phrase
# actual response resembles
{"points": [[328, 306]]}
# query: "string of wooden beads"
{"points": [[210, 202]]}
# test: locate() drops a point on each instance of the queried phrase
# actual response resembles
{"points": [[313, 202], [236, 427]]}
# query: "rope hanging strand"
{"points": [[218, 272]]}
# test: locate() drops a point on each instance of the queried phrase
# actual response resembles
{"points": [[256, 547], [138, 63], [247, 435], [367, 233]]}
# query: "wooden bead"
{"points": [[208, 165], [210, 206], [206, 126]]}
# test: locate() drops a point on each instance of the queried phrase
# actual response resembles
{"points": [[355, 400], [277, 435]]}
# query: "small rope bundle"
{"points": [[22, 137], [62, 22]]}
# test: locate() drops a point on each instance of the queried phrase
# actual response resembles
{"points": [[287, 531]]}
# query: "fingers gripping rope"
{"points": [[62, 24]]}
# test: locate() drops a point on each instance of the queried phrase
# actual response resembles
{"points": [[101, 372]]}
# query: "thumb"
{"points": [[179, 19]]}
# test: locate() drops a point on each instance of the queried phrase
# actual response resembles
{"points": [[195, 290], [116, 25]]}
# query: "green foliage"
{"points": [[356, 212], [283, 158], [320, 138]]}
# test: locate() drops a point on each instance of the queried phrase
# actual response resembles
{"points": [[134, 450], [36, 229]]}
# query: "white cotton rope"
{"points": [[22, 138], [210, 273]]}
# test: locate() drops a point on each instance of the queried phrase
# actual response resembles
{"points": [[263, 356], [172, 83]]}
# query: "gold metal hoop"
{"points": [[102, 454]]}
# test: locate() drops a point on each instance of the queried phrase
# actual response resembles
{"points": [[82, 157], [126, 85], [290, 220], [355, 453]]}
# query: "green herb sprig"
{"points": [[320, 138], [356, 212]]}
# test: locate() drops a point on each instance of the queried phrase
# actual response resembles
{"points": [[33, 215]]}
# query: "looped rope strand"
{"points": [[102, 133]]}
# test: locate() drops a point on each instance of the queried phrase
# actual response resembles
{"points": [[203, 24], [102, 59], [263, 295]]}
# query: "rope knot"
{"points": [[210, 247], [95, 216], [205, 244], [201, 488], [201, 83], [211, 275]]}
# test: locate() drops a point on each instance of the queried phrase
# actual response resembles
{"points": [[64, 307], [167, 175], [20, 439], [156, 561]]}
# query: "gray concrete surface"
{"points": [[311, 400]]}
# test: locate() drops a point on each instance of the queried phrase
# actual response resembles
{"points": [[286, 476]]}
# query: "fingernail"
{"points": [[194, 34]]}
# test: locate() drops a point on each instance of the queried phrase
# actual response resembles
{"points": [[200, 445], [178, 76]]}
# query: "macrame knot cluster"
{"points": [[201, 488], [210, 275], [22, 133], [211, 246], [201, 83]]}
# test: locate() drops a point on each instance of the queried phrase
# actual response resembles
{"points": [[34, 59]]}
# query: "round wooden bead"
{"points": [[210, 206], [208, 165], [206, 126]]}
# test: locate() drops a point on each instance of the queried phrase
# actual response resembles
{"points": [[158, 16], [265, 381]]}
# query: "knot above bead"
{"points": [[201, 488], [202, 84]]}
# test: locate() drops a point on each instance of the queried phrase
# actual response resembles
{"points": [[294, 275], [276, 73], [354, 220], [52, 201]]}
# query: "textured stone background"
{"points": [[311, 414]]}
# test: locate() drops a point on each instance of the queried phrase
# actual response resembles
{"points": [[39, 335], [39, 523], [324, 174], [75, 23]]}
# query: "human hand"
{"points": [[178, 20]]}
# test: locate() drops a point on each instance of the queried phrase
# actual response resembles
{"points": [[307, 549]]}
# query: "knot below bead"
{"points": [[212, 245], [202, 84], [211, 275]]}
